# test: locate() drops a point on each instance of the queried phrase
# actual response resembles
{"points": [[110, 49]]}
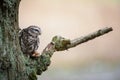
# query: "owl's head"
{"points": [[34, 30]]}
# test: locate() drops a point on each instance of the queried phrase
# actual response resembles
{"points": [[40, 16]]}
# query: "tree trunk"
{"points": [[16, 66], [12, 66]]}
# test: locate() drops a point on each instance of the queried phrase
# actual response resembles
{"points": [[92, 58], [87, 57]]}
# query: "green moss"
{"points": [[60, 43], [33, 76]]}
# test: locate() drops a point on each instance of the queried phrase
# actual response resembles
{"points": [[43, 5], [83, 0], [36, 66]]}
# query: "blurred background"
{"points": [[95, 60]]}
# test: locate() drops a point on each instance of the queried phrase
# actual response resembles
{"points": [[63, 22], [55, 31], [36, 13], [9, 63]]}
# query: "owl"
{"points": [[29, 40]]}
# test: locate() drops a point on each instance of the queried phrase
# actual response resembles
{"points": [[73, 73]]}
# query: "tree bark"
{"points": [[14, 65]]}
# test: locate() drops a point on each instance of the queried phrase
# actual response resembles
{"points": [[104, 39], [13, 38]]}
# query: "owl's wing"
{"points": [[22, 40], [21, 33], [36, 44]]}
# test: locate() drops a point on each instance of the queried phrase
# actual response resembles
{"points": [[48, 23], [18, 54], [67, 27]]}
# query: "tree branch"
{"points": [[59, 43], [64, 44], [88, 37]]}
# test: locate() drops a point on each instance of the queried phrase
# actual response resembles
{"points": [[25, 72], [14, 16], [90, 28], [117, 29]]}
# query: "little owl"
{"points": [[29, 40]]}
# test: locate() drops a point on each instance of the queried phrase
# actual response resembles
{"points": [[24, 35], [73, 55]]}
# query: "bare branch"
{"points": [[88, 37]]}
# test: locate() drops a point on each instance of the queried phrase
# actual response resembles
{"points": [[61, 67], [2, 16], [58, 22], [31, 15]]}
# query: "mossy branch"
{"points": [[59, 43]]}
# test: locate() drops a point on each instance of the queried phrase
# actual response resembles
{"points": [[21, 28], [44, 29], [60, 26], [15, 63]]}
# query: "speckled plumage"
{"points": [[29, 40]]}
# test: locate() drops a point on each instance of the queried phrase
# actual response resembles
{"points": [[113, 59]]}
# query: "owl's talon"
{"points": [[35, 54]]}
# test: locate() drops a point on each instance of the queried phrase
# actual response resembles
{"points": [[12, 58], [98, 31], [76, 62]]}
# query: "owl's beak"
{"points": [[39, 33]]}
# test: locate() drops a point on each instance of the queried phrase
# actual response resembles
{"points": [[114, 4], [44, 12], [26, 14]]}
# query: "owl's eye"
{"points": [[36, 30]]}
